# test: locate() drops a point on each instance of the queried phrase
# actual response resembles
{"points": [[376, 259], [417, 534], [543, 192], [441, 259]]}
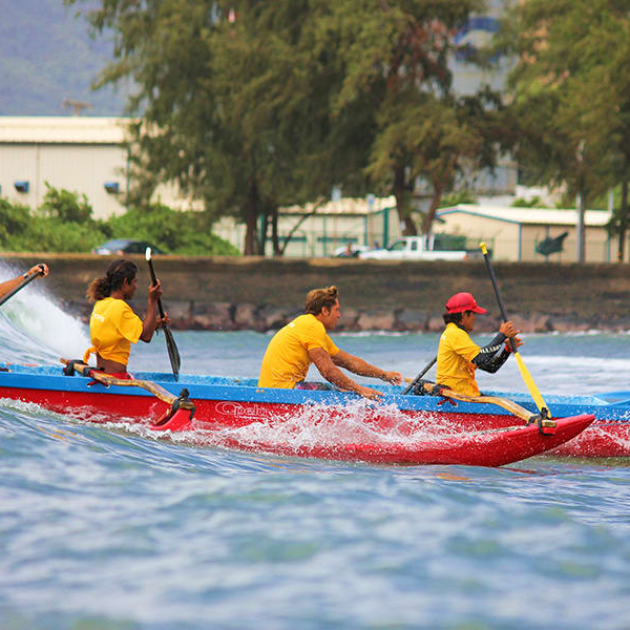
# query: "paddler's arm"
{"points": [[9, 285], [363, 368], [151, 319], [495, 354], [324, 363]]}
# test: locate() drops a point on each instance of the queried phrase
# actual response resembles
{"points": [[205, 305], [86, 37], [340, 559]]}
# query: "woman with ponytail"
{"points": [[113, 324]]}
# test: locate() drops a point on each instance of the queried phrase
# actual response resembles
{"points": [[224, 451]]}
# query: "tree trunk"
{"points": [[401, 194], [294, 229], [429, 217], [252, 245], [251, 235], [581, 236], [623, 221], [263, 233], [581, 204], [275, 239]]}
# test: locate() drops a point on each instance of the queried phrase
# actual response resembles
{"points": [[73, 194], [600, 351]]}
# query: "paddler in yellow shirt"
{"points": [[113, 324], [459, 356], [305, 340]]}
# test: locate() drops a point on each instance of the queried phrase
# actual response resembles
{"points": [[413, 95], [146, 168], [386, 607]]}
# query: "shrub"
{"points": [[177, 232], [64, 224], [65, 205], [14, 221], [456, 198], [534, 202]]}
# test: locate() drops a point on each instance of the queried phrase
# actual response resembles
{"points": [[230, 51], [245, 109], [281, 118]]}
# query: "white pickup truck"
{"points": [[415, 248]]}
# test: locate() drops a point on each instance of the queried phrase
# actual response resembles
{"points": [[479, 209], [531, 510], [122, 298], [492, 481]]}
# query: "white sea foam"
{"points": [[36, 329]]}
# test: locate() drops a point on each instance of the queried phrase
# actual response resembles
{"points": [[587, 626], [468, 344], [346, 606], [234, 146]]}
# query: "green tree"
{"points": [[228, 106], [571, 92], [289, 99], [396, 59], [434, 140]]}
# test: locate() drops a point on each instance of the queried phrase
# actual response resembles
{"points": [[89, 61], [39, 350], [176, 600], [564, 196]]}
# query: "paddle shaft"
{"points": [[10, 294], [171, 346], [495, 285], [514, 408], [527, 377], [415, 380], [154, 282]]}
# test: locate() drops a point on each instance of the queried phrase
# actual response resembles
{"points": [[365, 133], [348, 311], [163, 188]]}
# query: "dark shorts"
{"points": [[322, 387]]}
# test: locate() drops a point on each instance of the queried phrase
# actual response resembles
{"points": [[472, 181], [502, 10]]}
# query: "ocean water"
{"points": [[104, 528]]}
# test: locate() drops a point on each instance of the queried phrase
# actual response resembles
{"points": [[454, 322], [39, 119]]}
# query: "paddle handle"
{"points": [[154, 282], [10, 294], [173, 352], [493, 279]]}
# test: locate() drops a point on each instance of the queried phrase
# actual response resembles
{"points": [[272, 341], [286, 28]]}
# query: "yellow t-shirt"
{"points": [[455, 369], [286, 360], [113, 328]]}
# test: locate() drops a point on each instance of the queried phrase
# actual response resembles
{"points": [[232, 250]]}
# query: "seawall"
{"points": [[225, 293]]}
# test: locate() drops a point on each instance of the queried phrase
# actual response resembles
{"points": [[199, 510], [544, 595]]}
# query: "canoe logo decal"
{"points": [[233, 409]]}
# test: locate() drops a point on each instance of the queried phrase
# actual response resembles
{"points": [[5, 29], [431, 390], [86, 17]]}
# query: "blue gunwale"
{"points": [[246, 390]]}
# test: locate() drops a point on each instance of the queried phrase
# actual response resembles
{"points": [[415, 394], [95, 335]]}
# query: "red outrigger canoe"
{"points": [[235, 413]]}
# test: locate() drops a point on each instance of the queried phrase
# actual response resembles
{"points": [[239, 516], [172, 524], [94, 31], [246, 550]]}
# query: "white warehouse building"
{"points": [[81, 154]]}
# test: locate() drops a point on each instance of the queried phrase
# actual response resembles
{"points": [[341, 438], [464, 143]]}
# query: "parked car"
{"points": [[425, 247], [121, 246]]}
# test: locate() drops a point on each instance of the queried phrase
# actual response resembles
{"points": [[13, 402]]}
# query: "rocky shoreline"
{"points": [[252, 293], [225, 316]]}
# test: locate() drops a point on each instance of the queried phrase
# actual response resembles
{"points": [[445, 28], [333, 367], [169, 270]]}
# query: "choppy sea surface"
{"points": [[105, 528]]}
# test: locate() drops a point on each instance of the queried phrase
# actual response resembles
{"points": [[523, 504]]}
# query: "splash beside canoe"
{"points": [[235, 413]]}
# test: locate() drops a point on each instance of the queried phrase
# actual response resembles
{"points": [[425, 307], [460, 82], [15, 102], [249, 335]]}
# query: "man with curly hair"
{"points": [[305, 340]]}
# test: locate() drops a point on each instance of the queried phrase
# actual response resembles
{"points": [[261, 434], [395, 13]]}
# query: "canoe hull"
{"points": [[387, 434]]}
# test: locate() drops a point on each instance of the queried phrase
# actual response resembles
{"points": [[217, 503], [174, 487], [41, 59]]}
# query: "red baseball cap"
{"points": [[461, 302]]}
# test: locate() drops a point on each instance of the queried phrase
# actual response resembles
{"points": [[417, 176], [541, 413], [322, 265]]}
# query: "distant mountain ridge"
{"points": [[46, 57]]}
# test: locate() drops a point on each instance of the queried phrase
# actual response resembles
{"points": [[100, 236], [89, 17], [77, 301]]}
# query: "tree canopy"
{"points": [[571, 91], [250, 106]]}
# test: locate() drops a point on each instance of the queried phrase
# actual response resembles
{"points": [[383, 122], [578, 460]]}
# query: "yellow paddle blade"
{"points": [[531, 386]]}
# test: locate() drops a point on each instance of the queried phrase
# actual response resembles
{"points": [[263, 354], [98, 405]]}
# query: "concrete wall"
{"points": [[256, 293]]}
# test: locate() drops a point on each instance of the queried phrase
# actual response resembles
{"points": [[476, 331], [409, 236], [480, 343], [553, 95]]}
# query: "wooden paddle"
{"points": [[20, 286], [527, 377], [173, 352], [177, 403], [509, 405]]}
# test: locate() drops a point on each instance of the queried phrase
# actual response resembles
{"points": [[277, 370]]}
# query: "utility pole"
{"points": [[580, 205]]}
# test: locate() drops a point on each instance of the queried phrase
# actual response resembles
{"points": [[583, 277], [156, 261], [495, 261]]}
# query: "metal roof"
{"points": [[62, 130], [530, 216]]}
